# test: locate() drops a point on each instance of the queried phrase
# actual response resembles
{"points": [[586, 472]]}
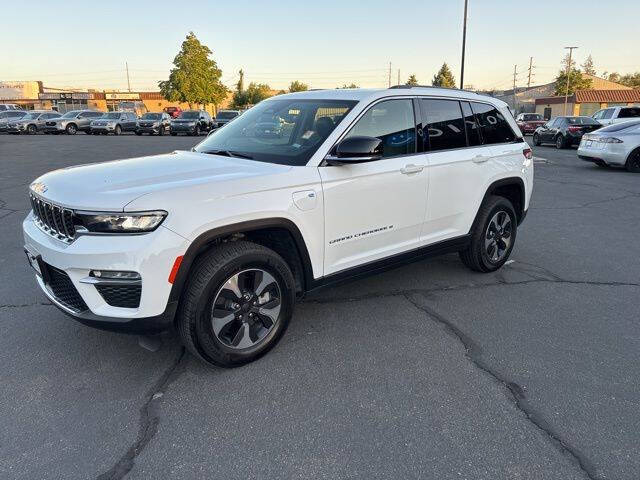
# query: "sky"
{"points": [[324, 43]]}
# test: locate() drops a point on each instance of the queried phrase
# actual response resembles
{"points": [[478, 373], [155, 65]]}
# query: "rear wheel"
{"points": [[633, 162], [493, 236], [560, 142], [536, 140], [161, 131], [138, 132], [237, 304]]}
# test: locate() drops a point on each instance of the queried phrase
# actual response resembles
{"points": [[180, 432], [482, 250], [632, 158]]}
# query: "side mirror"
{"points": [[356, 149]]}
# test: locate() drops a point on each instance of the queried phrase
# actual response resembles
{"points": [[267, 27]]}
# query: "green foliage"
{"points": [[630, 79], [351, 85], [576, 82], [240, 84], [195, 77], [444, 77], [412, 81], [255, 93], [297, 86], [587, 66]]}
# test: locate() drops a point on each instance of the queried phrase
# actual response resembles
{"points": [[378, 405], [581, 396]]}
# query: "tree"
{"points": [[576, 82], [351, 85], [631, 80], [587, 66], [297, 86], [412, 81], [240, 84], [195, 77], [444, 77], [255, 93]]}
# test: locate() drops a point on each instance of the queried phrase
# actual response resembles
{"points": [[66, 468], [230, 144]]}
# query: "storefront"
{"points": [[65, 101]]}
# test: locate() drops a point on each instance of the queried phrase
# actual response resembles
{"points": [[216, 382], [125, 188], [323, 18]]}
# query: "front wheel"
{"points": [[196, 131], [492, 236], [633, 162], [237, 303], [32, 130], [161, 131], [536, 140], [117, 130], [71, 129]]}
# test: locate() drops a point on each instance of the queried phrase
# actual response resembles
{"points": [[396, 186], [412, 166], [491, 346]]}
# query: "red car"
{"points": [[173, 112], [528, 122]]}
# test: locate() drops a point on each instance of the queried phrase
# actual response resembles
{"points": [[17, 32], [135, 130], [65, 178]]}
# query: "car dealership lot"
{"points": [[426, 371]]}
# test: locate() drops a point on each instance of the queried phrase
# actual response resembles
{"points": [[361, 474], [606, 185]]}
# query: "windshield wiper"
{"points": [[228, 153]]}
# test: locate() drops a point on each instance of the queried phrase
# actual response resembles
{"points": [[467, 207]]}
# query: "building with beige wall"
{"points": [[586, 102]]}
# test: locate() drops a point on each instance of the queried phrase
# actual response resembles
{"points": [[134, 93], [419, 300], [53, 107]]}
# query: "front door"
{"points": [[376, 209]]}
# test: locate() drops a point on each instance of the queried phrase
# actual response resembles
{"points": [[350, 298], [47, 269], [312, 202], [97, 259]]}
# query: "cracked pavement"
{"points": [[425, 371]]}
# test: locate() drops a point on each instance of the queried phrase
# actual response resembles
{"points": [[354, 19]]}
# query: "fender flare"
{"points": [[501, 183], [196, 247]]}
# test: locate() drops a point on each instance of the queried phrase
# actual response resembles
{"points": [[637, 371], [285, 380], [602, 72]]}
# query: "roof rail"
{"points": [[430, 86]]}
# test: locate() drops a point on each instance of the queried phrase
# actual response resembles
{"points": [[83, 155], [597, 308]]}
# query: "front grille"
{"points": [[144, 124], [64, 291], [125, 296], [53, 219]]}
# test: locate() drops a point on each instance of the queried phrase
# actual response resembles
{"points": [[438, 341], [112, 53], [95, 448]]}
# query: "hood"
{"points": [[110, 186]]}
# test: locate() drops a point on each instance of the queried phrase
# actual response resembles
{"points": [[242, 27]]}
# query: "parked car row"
{"points": [[189, 122]]}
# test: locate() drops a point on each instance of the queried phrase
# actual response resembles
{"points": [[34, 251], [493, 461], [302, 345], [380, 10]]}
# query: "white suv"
{"points": [[301, 191]]}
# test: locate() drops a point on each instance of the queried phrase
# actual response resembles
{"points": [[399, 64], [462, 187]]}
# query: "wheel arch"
{"points": [[279, 234], [511, 188]]}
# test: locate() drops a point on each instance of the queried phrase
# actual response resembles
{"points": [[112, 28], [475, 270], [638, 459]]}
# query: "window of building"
{"points": [[588, 109], [444, 123], [494, 127], [473, 129], [393, 122]]}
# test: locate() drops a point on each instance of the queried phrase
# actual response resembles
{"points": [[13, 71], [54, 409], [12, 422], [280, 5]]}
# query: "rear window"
{"points": [[581, 121], [226, 115], [493, 125], [629, 112], [532, 117], [444, 123]]}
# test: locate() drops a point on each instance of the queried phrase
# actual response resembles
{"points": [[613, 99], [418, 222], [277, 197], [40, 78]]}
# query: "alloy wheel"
{"points": [[246, 309], [497, 239]]}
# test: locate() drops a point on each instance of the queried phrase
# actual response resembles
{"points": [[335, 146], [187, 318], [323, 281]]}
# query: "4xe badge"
{"points": [[39, 187]]}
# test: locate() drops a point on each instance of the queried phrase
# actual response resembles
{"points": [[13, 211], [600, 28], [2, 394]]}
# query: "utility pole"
{"points": [[398, 76], [128, 82], [530, 71], [566, 92], [515, 74], [464, 43], [389, 74]]}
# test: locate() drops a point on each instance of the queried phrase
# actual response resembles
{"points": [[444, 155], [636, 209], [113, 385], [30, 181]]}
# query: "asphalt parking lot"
{"points": [[426, 371]]}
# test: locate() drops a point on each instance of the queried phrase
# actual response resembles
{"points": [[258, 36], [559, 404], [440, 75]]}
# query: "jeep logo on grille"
{"points": [[39, 187]]}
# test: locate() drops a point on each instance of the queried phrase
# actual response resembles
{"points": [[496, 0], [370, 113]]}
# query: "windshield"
{"points": [[111, 116], [189, 115], [226, 115], [582, 121], [284, 131], [31, 116], [532, 117], [71, 114], [151, 116], [618, 127]]}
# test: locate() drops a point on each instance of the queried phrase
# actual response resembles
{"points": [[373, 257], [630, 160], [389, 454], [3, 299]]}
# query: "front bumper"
{"points": [[102, 128], [183, 128], [151, 255], [16, 129], [148, 129]]}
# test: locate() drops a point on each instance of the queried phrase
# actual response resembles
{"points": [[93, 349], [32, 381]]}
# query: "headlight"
{"points": [[120, 222], [111, 124]]}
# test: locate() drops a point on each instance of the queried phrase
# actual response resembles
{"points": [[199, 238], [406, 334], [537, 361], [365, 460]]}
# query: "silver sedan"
{"points": [[617, 144]]}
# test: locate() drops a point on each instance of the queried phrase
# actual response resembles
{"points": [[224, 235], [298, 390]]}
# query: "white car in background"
{"points": [[617, 144], [611, 115]]}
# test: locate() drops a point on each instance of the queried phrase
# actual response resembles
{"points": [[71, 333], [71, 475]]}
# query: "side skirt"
{"points": [[378, 266]]}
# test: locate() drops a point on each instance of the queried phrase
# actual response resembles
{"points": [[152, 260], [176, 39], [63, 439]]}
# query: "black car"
{"points": [[154, 123], [225, 116], [192, 122], [564, 131]]}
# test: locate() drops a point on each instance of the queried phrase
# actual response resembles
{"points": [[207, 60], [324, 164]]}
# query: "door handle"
{"points": [[411, 168], [480, 158]]}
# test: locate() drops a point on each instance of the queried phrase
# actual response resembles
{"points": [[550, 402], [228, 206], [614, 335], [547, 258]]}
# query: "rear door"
{"points": [[376, 209]]}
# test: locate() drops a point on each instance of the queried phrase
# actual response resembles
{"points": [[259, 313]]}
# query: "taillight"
{"points": [[528, 153], [574, 129]]}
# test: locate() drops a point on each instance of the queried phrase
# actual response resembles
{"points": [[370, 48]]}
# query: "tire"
{"points": [[161, 131], [95, 133], [117, 130], [536, 140], [71, 129], [32, 129], [139, 133], [209, 274], [173, 134], [560, 142], [196, 131], [478, 256], [633, 162]]}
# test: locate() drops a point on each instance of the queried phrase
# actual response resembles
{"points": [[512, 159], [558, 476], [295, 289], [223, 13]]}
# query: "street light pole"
{"points": [[566, 92], [464, 42]]}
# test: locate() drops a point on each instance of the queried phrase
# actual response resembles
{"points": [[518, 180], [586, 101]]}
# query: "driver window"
{"points": [[392, 121]]}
